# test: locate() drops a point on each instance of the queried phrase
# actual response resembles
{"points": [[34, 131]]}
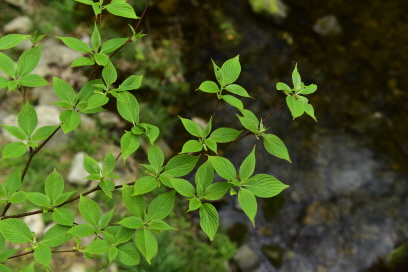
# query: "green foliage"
{"points": [[123, 239]]}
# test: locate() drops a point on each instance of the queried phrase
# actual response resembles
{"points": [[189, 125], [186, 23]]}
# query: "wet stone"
{"points": [[238, 233], [274, 253], [246, 258]]}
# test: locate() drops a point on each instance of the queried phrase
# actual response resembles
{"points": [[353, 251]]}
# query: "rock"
{"points": [[327, 25], [164, 146], [246, 258], [48, 115], [22, 4], [21, 24], [24, 45], [87, 123], [10, 120], [274, 10], [77, 172], [35, 223], [54, 53], [200, 122], [108, 117], [77, 267], [274, 253], [238, 233], [46, 95], [42, 70]]}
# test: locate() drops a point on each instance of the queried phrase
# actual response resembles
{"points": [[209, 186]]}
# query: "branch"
{"points": [[32, 251]]}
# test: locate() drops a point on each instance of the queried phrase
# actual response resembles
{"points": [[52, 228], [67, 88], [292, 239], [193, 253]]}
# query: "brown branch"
{"points": [[32, 251], [272, 113], [216, 108]]}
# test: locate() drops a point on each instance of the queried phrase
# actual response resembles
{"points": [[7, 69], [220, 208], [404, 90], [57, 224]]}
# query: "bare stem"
{"points": [[32, 251]]}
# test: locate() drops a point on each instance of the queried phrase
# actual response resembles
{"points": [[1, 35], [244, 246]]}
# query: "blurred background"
{"points": [[347, 205]]}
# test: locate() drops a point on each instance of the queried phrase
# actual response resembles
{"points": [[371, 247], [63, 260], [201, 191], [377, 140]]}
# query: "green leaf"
{"points": [[128, 254], [128, 107], [219, 74], [248, 203], [147, 244], [105, 219], [89, 210], [28, 61], [97, 100], [152, 132], [145, 185], [296, 78], [12, 150], [2, 241], [17, 197], [3, 82], [113, 44], [135, 204], [82, 61], [96, 38], [7, 65], [132, 222], [54, 185], [70, 120], [32, 80], [5, 254], [124, 235], [183, 187], [97, 247], [194, 204], [274, 145], [238, 90], [211, 144], [248, 166], [63, 104], [231, 70], [107, 187], [283, 87], [181, 165], [109, 74], [249, 120], [63, 90], [208, 128], [11, 40], [87, 2], [192, 127], [29, 268], [223, 167], [15, 231], [112, 254], [13, 182], [62, 198], [16, 132], [63, 216], [209, 87], [101, 59], [88, 89], [296, 107], [216, 190], [39, 199], [76, 44], [310, 111], [192, 146], [121, 9], [160, 225], [43, 133], [56, 235], [109, 162], [91, 166], [27, 119], [131, 83], [233, 101], [209, 219], [161, 206], [155, 156], [129, 143], [263, 185], [165, 179], [97, 8], [12, 85], [42, 254], [82, 230], [204, 177]]}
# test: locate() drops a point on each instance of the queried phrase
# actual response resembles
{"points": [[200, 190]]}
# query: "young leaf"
{"points": [[63, 216], [101, 59], [135, 204], [209, 87], [109, 162], [32, 80], [129, 143], [204, 177], [15, 231], [249, 120], [231, 70], [17, 197], [54, 185], [219, 74], [62, 198], [283, 87], [112, 253], [82, 230], [233, 101], [113, 44], [310, 111], [82, 61], [121, 9], [208, 128], [248, 166], [107, 187], [248, 203], [3, 82], [27, 119], [128, 107], [192, 146], [181, 165], [296, 78], [147, 244], [183, 187], [70, 120], [194, 204], [155, 156], [12, 85], [39, 199], [96, 38], [12, 150], [29, 268], [160, 225], [296, 107], [123, 235], [42, 254], [89, 210], [109, 74], [76, 44], [56, 235], [97, 247], [131, 83], [7, 65], [128, 254], [105, 219], [274, 145], [238, 90], [216, 190], [161, 206], [43, 133], [28, 61], [152, 132], [88, 88], [131, 222], [13, 182], [263, 185], [211, 144], [309, 89], [145, 185], [223, 167], [209, 220], [225, 135], [11, 40], [192, 127], [97, 100]]}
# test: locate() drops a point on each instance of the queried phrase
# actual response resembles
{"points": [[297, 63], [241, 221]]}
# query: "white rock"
{"points": [[10, 120], [48, 115], [77, 267], [46, 95], [108, 117], [87, 123], [246, 258], [21, 24], [77, 173], [35, 223], [199, 121], [327, 25], [59, 54], [20, 4], [42, 70]]}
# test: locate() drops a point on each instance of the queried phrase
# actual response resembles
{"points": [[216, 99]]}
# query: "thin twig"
{"points": [[32, 251], [272, 113], [216, 108]]}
